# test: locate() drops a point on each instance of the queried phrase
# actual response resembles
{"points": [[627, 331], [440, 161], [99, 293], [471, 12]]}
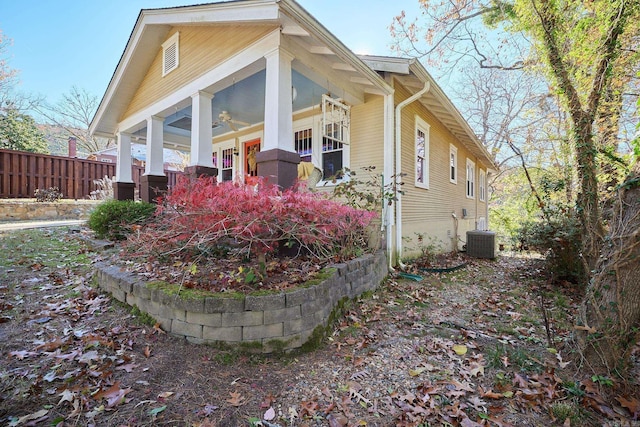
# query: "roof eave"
{"points": [[419, 71]]}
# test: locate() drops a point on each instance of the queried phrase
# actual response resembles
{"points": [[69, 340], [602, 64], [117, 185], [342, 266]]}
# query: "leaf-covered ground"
{"points": [[465, 348]]}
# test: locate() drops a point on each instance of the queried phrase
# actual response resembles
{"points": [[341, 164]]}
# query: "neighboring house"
{"points": [[172, 160], [224, 79]]}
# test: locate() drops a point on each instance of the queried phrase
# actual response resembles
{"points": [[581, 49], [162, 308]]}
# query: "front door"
{"points": [[251, 148]]}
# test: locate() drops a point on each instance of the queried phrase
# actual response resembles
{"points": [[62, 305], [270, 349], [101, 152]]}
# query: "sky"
{"points": [[57, 44]]}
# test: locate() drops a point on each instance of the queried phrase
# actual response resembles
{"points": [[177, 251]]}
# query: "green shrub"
{"points": [[114, 219], [560, 239]]}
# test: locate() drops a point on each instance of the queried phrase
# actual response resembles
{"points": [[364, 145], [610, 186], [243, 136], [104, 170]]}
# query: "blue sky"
{"points": [[62, 43]]}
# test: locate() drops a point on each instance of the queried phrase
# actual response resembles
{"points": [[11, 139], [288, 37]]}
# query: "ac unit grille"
{"points": [[481, 244]]}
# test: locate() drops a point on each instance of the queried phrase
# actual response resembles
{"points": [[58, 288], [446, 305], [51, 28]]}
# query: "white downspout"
{"points": [[388, 219], [398, 168]]}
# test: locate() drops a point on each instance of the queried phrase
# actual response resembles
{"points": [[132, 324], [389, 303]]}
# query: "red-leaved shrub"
{"points": [[202, 217]]}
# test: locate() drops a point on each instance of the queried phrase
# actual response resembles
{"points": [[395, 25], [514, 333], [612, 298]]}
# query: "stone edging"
{"points": [[30, 210], [272, 322]]}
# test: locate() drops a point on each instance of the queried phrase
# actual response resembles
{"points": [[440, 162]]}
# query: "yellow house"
{"points": [[252, 87]]}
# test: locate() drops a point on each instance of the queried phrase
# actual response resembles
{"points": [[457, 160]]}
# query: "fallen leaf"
{"points": [[89, 357], [31, 417], [147, 352], [236, 399], [460, 349], [165, 394], [129, 367], [20, 355], [269, 415], [67, 396], [154, 412], [416, 372], [632, 404], [114, 395], [337, 420], [50, 346]]}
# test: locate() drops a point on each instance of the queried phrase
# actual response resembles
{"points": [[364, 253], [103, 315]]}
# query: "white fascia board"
{"points": [[231, 12], [243, 59], [125, 59], [294, 11], [420, 72], [387, 64]]}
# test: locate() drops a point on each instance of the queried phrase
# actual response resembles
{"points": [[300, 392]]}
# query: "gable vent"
{"points": [[170, 54]]}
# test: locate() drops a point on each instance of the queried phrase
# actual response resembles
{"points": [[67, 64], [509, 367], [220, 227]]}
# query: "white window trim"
{"points": [[470, 178], [425, 128], [482, 186], [171, 41], [318, 135], [453, 150]]}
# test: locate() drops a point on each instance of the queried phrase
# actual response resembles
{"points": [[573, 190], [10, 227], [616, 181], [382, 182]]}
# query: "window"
{"points": [[335, 134], [482, 184], [170, 54], [304, 144], [226, 170], [453, 164], [422, 153], [471, 178]]}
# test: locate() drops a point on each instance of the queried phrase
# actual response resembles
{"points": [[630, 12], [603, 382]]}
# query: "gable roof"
{"points": [[360, 74], [412, 74]]}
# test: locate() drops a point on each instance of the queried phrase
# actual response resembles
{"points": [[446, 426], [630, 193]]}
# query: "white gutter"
{"points": [[398, 160]]}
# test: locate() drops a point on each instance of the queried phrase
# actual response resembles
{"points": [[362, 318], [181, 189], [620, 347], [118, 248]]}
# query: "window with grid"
{"points": [[335, 119], [226, 170], [471, 178], [453, 164], [422, 153], [482, 184], [304, 144]]}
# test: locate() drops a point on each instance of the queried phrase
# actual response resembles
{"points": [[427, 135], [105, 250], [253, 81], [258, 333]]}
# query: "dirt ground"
{"points": [[468, 347]]}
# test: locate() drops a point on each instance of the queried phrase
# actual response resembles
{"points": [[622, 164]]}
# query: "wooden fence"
{"points": [[21, 173]]}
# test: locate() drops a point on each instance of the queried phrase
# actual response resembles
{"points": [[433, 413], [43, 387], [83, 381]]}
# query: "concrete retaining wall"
{"points": [[278, 321], [30, 210]]}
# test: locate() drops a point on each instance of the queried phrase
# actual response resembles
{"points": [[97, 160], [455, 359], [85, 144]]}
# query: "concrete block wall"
{"points": [[281, 321]]}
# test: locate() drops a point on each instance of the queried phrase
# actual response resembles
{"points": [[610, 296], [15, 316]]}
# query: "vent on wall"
{"points": [[481, 244], [170, 54]]}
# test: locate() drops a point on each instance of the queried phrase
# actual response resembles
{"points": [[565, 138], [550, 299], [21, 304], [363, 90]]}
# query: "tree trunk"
{"points": [[610, 312], [588, 197]]}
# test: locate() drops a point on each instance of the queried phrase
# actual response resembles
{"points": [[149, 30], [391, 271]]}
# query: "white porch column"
{"points": [[123, 162], [155, 141], [201, 130], [278, 112]]}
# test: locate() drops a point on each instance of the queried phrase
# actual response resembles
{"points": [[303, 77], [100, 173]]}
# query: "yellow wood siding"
{"points": [[367, 134], [201, 48], [429, 210]]}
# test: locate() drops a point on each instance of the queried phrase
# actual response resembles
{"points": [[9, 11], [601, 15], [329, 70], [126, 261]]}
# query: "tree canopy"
{"points": [[18, 131]]}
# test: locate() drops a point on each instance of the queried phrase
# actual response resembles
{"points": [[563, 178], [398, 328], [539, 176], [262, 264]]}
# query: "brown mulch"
{"points": [[460, 348]]}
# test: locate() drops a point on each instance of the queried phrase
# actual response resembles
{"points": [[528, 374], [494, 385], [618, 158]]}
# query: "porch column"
{"points": [[123, 187], [278, 160], [201, 161], [154, 182]]}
